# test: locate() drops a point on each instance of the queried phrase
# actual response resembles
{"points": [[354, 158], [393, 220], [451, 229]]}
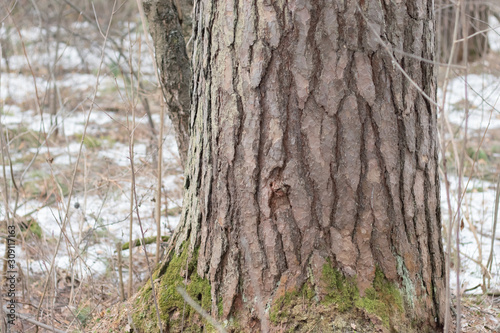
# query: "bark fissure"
{"points": [[384, 233]]}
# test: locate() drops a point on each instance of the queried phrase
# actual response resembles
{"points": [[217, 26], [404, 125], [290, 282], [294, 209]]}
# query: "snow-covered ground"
{"points": [[494, 34], [101, 217], [477, 215], [477, 212], [106, 217], [483, 93]]}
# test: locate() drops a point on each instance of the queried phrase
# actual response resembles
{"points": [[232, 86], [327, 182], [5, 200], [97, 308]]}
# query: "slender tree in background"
{"points": [[173, 64], [312, 166], [476, 13]]}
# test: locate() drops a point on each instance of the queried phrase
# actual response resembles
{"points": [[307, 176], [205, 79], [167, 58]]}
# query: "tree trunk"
{"points": [[477, 14], [173, 65], [312, 164]]}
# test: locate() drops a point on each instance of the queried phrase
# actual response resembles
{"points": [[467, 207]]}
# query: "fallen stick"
{"points": [[35, 322], [148, 240]]}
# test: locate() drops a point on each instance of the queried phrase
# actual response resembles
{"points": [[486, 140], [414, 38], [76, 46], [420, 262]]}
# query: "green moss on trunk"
{"points": [[383, 299], [285, 303], [340, 290], [174, 312], [382, 303]]}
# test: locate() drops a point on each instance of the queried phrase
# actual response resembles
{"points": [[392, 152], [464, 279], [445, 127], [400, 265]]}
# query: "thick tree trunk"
{"points": [[477, 14], [310, 149]]}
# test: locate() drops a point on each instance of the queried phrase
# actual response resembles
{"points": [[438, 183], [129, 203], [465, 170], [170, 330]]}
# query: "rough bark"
{"points": [[477, 13], [308, 145], [173, 64]]}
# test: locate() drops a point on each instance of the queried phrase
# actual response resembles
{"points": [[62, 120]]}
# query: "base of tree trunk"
{"points": [[330, 302]]}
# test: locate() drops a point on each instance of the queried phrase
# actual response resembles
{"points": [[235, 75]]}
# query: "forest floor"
{"points": [[480, 313]]}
